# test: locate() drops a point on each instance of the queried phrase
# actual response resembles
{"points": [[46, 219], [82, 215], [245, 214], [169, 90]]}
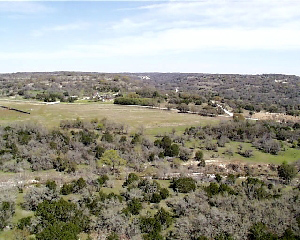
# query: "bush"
{"points": [[164, 193], [134, 206], [259, 231], [134, 101], [113, 236], [60, 220], [136, 139], [224, 236], [99, 151], [155, 198], [24, 222], [7, 209], [51, 185], [214, 189], [184, 154], [149, 224], [153, 236], [218, 178], [199, 155], [107, 137], [183, 185], [79, 184], [132, 177], [59, 231], [36, 195], [73, 187], [102, 180], [286, 172], [67, 189], [163, 217], [172, 151], [247, 153]]}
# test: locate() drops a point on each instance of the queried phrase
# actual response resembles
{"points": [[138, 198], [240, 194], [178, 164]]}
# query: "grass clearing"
{"points": [[153, 120], [117, 187], [20, 213], [7, 234], [290, 154], [164, 183]]}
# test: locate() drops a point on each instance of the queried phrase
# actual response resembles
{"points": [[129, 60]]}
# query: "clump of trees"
{"points": [[7, 210], [287, 172], [225, 209], [74, 187], [183, 185], [135, 101], [169, 149], [60, 220]]}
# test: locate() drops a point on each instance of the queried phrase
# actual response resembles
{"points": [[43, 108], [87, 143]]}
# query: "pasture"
{"points": [[152, 120], [288, 154]]}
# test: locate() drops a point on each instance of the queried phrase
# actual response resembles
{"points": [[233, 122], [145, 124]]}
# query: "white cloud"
{"points": [[20, 7], [60, 28], [175, 41], [127, 24], [220, 13], [162, 29], [215, 25], [194, 39], [188, 26]]}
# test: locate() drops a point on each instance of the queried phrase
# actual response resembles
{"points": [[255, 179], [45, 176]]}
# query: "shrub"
{"points": [[183, 185], [150, 224], [51, 185], [67, 189], [199, 155], [155, 198], [218, 178], [132, 177], [7, 209], [163, 217], [134, 206], [286, 172], [60, 220], [259, 231], [102, 180], [24, 222], [113, 236], [164, 193], [107, 137]]}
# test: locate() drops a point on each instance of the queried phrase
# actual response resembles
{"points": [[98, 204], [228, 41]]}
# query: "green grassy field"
{"points": [[153, 120], [20, 213], [289, 155]]}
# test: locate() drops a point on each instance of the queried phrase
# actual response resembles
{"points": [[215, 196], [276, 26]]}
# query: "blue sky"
{"points": [[240, 36]]}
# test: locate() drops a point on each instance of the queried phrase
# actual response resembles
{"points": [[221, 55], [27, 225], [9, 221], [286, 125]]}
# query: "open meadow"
{"points": [[153, 121]]}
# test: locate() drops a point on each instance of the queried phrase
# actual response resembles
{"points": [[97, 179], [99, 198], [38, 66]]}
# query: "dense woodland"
{"points": [[238, 202], [115, 183], [143, 209], [75, 142], [187, 92]]}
